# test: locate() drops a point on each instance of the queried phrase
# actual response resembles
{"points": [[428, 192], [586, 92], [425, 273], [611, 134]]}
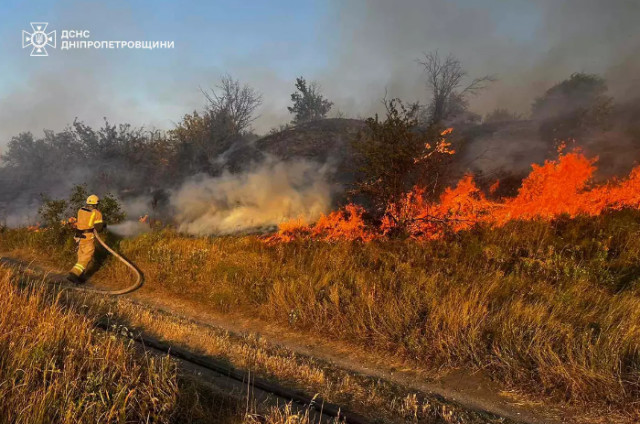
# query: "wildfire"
{"points": [[442, 147], [561, 186], [344, 224]]}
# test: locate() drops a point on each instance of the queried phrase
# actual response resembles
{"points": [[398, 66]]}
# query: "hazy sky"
{"points": [[355, 49]]}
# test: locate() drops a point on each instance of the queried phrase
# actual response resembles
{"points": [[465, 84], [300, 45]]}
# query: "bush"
{"points": [[55, 212], [395, 155]]}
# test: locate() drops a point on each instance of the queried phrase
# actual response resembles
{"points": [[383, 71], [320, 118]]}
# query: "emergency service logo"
{"points": [[73, 39], [39, 39]]}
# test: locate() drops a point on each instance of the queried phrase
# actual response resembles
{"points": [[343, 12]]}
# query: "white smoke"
{"points": [[129, 228], [270, 194]]}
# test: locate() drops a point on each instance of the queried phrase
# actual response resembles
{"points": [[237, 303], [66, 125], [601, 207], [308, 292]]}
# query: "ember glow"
{"points": [[563, 186]]}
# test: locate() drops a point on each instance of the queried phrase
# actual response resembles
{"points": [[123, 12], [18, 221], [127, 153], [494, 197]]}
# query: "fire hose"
{"points": [[132, 267], [216, 366]]}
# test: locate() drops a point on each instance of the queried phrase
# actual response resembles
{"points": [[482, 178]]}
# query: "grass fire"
{"points": [[358, 212], [558, 187]]}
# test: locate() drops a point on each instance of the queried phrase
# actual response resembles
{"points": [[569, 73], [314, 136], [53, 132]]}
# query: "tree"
{"points": [[233, 105], [394, 155], [113, 157], [445, 78], [573, 108], [201, 137], [308, 103]]}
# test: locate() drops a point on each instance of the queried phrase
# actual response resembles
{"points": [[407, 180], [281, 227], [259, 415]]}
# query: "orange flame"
{"points": [[494, 187], [442, 147], [560, 186], [344, 224]]}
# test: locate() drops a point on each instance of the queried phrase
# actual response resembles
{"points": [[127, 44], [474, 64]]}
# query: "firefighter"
{"points": [[89, 217]]}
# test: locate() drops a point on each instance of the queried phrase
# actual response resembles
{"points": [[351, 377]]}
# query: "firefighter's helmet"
{"points": [[92, 200]]}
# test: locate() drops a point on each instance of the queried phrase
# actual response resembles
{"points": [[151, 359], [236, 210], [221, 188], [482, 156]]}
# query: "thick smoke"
{"points": [[528, 46], [368, 49], [366, 46], [272, 193]]}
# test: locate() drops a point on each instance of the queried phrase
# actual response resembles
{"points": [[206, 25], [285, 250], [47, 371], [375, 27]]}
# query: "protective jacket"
{"points": [[88, 219]]}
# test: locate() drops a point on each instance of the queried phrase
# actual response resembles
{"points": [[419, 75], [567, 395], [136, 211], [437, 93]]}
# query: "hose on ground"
{"points": [[139, 278]]}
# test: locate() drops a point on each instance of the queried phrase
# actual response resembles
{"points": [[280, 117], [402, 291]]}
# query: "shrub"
{"points": [[54, 212]]}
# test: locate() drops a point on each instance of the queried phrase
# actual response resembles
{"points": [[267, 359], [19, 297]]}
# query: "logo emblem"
{"points": [[39, 39]]}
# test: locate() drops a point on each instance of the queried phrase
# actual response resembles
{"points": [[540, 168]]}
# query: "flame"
{"points": [[344, 224], [560, 186], [494, 187], [442, 147], [35, 228], [290, 230], [460, 208]]}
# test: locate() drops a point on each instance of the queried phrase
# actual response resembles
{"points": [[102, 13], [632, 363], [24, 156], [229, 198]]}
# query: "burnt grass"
{"points": [[551, 309]]}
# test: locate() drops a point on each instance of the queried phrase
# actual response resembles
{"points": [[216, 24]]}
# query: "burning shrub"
{"points": [[460, 208], [396, 155]]}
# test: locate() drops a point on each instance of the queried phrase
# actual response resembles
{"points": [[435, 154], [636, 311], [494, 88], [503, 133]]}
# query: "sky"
{"points": [[357, 51]]}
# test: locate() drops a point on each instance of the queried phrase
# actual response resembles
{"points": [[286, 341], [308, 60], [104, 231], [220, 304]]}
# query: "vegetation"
{"points": [[501, 115], [574, 107], [308, 103], [445, 79], [381, 400], [233, 105], [388, 150], [122, 158], [548, 308], [55, 368], [199, 138], [55, 212]]}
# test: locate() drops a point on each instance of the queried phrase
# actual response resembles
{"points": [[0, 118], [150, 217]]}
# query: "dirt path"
{"points": [[474, 391]]}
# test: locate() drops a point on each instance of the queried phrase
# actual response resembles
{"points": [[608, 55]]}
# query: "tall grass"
{"points": [[550, 308], [54, 368]]}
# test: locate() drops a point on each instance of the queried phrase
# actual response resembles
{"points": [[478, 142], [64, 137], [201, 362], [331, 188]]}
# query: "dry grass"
{"points": [[54, 368], [369, 396], [550, 309], [284, 415]]}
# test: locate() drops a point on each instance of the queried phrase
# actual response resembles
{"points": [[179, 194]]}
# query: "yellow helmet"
{"points": [[92, 200]]}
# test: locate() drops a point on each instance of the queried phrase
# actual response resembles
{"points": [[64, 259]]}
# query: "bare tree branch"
{"points": [[444, 77], [233, 103]]}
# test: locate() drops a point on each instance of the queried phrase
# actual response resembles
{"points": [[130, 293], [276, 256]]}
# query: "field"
{"points": [[56, 367], [548, 309]]}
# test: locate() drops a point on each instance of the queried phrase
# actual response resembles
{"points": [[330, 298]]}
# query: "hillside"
{"points": [[324, 141]]}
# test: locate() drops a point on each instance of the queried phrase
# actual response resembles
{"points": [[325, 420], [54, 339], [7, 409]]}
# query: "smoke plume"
{"points": [[272, 193]]}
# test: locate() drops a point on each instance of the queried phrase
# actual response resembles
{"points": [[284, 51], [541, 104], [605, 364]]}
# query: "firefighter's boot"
{"points": [[73, 278]]}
